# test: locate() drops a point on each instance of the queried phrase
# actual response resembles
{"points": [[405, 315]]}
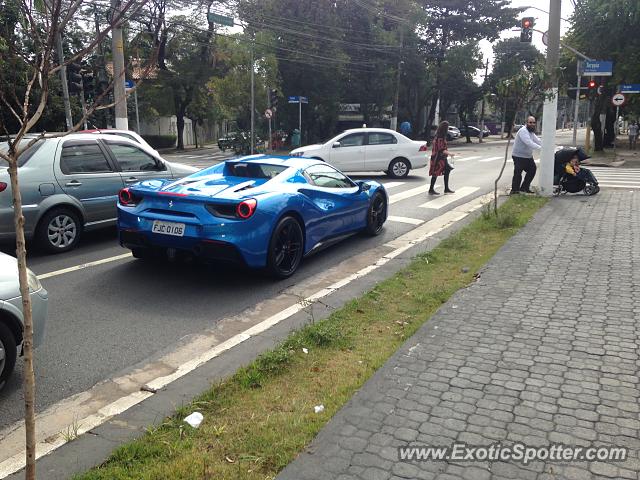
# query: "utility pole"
{"points": [[396, 98], [65, 86], [253, 97], [549, 111], [480, 135], [117, 47]]}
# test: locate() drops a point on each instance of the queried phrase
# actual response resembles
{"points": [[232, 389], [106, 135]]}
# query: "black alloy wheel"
{"points": [[376, 214], [285, 248]]}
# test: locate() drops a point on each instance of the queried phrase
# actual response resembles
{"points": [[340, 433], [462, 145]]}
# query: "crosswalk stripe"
{"points": [[491, 159], [412, 221], [637, 185], [445, 200], [393, 185], [408, 194], [466, 159]]}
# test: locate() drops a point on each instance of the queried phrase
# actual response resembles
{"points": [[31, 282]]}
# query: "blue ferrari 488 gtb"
{"points": [[263, 211]]}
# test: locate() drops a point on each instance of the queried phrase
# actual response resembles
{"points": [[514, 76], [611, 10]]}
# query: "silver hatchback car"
{"points": [[11, 318], [70, 184]]}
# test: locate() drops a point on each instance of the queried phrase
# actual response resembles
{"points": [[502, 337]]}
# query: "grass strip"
{"points": [[257, 421]]}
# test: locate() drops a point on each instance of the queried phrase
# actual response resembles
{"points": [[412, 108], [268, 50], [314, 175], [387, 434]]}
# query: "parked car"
{"points": [[261, 211], [11, 317], [122, 133], [225, 142], [452, 134], [474, 131], [369, 149], [70, 184]]}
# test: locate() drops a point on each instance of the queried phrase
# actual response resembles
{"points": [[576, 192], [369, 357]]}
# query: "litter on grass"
{"points": [[195, 419]]}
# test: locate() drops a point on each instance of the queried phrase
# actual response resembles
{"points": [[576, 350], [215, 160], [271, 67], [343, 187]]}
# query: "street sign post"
{"points": [[597, 68], [618, 100], [299, 100], [128, 85], [630, 88], [220, 19]]}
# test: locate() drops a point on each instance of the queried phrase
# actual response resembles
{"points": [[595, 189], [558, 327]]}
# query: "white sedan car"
{"points": [[369, 149]]}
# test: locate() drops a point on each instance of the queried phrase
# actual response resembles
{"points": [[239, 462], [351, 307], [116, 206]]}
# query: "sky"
{"points": [[541, 23]]}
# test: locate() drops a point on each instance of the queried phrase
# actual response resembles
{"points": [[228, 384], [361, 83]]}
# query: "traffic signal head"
{"points": [[273, 99], [88, 85], [592, 84], [74, 79], [526, 29]]}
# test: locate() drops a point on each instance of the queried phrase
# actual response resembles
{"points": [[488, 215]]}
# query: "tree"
{"points": [[608, 38], [28, 36], [511, 57], [454, 22]]}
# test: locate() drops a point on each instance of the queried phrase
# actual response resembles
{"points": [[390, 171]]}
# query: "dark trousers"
{"points": [[586, 175], [521, 164]]}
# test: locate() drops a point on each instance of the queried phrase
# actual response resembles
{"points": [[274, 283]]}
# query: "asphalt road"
{"points": [[106, 319]]}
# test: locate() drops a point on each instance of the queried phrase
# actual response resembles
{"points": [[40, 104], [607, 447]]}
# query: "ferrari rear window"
{"points": [[255, 170]]}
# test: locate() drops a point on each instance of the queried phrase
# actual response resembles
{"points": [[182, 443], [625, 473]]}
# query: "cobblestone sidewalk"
{"points": [[542, 349]]}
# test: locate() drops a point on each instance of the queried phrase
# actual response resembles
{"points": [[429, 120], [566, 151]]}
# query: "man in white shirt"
{"points": [[525, 143]]}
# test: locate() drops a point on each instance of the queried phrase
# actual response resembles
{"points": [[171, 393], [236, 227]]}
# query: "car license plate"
{"points": [[168, 228]]}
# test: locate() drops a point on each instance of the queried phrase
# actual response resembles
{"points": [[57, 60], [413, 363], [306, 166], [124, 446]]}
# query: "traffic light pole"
{"points": [[65, 85], [253, 99], [550, 110], [577, 105]]}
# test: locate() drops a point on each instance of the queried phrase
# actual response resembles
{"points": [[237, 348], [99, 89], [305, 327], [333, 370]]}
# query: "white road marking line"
{"points": [[83, 266], [412, 221], [445, 200], [491, 159], [401, 244], [465, 159], [392, 184], [618, 185], [408, 194]]}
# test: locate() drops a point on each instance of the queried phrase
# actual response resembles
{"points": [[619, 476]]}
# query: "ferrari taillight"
{"points": [[3, 186], [246, 208], [127, 198], [423, 148]]}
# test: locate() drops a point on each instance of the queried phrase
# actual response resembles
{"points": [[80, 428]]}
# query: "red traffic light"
{"points": [[592, 84], [526, 23]]}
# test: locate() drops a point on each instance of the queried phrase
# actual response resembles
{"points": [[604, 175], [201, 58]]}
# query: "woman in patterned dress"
{"points": [[439, 165]]}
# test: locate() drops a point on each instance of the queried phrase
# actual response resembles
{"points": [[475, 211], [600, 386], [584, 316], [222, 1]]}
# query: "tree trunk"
{"points": [[194, 124], [432, 115], [610, 127], [27, 343], [596, 126], [180, 110]]}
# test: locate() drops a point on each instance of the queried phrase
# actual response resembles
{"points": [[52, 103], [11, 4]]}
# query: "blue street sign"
{"points": [[128, 84], [630, 88], [297, 99], [597, 68]]}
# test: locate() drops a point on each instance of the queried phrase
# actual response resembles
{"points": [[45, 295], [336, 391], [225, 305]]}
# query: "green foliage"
{"points": [[160, 141]]}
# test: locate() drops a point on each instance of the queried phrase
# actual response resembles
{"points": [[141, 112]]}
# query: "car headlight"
{"points": [[34, 283], [297, 154]]}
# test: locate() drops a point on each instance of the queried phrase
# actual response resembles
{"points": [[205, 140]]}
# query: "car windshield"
{"points": [[255, 170], [24, 157]]}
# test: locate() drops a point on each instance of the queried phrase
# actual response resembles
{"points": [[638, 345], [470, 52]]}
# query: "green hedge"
{"points": [[160, 141]]}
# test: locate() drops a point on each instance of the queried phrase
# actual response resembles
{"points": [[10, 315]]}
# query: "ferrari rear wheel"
{"points": [[285, 248], [376, 214]]}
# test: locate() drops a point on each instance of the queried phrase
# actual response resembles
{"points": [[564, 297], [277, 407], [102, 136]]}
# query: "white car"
{"points": [[369, 149], [11, 318]]}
